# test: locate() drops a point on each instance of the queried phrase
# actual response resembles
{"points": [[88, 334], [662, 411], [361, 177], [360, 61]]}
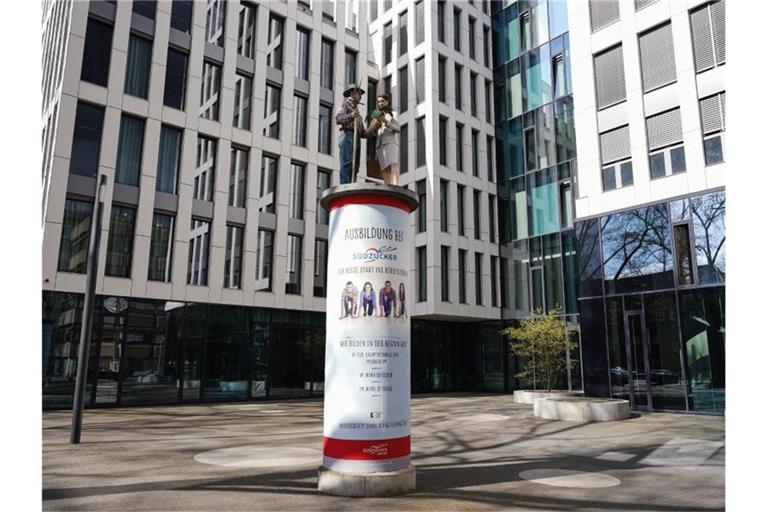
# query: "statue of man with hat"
{"points": [[351, 129]]}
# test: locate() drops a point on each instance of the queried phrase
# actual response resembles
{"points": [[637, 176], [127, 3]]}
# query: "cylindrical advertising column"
{"points": [[366, 427]]}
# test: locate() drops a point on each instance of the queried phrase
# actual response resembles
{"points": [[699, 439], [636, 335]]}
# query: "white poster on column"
{"points": [[367, 379]]}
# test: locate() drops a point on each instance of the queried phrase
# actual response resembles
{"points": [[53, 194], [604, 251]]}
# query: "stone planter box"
{"points": [[528, 396], [581, 409]]}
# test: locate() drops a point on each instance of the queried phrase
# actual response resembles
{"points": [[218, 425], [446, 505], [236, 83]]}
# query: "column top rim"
{"points": [[333, 194]]}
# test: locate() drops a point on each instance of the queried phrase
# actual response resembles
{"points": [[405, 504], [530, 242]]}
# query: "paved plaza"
{"points": [[471, 451]]}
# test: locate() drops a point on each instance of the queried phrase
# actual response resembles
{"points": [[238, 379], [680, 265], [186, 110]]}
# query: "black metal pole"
{"points": [[86, 325]]}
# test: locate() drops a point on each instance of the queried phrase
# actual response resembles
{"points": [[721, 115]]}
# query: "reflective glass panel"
{"points": [[708, 214], [665, 375]]}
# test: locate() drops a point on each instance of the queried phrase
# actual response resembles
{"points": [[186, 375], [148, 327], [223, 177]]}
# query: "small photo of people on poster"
{"points": [[386, 302]]}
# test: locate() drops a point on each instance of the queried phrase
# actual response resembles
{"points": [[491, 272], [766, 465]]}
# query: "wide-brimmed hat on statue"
{"points": [[350, 89]]}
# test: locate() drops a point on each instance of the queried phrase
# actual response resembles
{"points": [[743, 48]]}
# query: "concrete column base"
{"points": [[581, 409], [365, 485]]}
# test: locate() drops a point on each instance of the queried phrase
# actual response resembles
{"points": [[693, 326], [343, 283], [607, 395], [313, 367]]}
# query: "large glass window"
{"points": [[161, 248], [138, 66], [443, 205], [293, 265], [421, 191], [238, 177], [96, 52], [214, 22], [708, 216], [168, 160], [402, 23], [233, 253], [242, 112], [302, 53], [120, 244], [702, 313], [264, 244], [637, 250], [321, 267], [181, 15], [476, 213], [553, 279], [460, 207], [388, 43], [462, 276], [246, 31], [225, 372], [300, 121], [445, 286], [457, 78], [324, 130], [459, 147], [457, 29], [590, 258], [326, 64], [209, 91], [558, 17], [268, 184], [543, 199], [479, 278], [205, 169], [175, 79], [272, 112], [197, 262], [617, 348], [421, 262], [666, 378], [537, 78], [350, 66], [296, 197], [75, 235], [146, 8], [129, 151], [323, 182], [86, 140]]}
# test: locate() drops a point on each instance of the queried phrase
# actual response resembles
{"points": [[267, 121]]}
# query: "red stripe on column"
{"points": [[366, 449], [370, 199]]}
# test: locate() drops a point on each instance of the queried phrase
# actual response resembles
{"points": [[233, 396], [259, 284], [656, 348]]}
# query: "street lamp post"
{"points": [[86, 324]]}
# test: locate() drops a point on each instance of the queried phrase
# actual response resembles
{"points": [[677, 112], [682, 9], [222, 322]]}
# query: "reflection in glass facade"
{"points": [[664, 317]]}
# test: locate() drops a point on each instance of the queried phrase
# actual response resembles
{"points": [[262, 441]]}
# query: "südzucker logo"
{"points": [[372, 254]]}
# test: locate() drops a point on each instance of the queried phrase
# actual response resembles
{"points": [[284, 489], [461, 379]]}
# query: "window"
{"points": [[264, 245], [558, 75], [473, 94], [441, 79], [268, 184], [241, 117], [403, 24], [272, 112], [388, 43], [161, 248], [462, 276], [350, 66], [683, 259], [145, 8], [526, 42], [441, 21], [489, 156], [387, 85], [444, 205], [175, 79], [443, 143], [421, 191], [296, 190], [275, 42], [246, 31], [373, 11], [238, 177], [459, 147], [639, 4], [402, 85], [565, 130], [476, 210], [615, 155], [181, 15], [419, 22], [323, 183], [657, 58], [566, 198], [321, 267], [488, 101], [233, 254], [475, 153], [460, 207], [205, 169], [168, 160], [404, 148], [445, 257], [708, 35], [665, 137], [120, 244], [214, 22], [421, 261], [302, 53], [712, 113], [421, 143], [300, 121], [137, 68], [96, 53], [603, 12], [543, 201], [492, 218], [324, 130], [457, 72], [457, 29], [129, 151], [487, 46], [472, 38], [293, 265], [209, 91], [197, 262], [75, 236], [326, 64], [494, 264], [420, 80], [352, 14], [329, 9], [479, 278], [86, 140]]}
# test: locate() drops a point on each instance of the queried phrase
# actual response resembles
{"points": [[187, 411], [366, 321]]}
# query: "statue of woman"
{"points": [[386, 128]]}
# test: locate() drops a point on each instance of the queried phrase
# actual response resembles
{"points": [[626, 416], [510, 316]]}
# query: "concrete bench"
{"points": [[528, 396], [581, 409]]}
